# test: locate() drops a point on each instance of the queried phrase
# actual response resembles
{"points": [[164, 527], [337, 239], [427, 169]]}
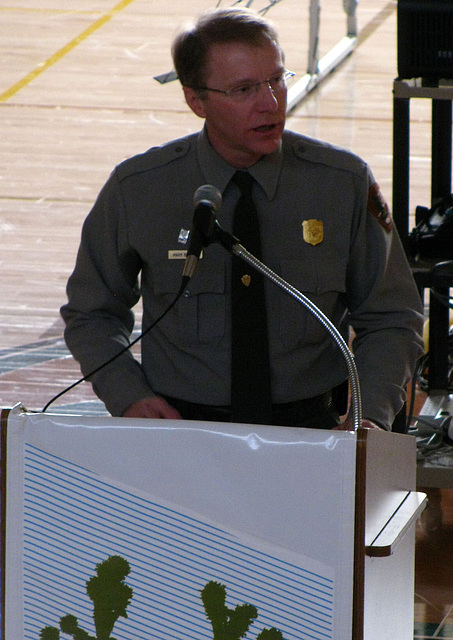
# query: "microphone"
{"points": [[207, 200]]}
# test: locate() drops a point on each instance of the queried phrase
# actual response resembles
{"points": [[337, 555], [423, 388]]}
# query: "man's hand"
{"points": [[348, 425], [155, 407]]}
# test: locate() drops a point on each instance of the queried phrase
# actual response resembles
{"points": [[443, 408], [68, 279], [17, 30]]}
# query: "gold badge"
{"points": [[246, 280], [313, 231]]}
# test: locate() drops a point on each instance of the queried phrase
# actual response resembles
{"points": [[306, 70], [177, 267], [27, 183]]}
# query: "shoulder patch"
{"points": [[378, 207]]}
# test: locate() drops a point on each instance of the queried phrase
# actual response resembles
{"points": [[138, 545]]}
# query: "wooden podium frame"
{"points": [[358, 489]]}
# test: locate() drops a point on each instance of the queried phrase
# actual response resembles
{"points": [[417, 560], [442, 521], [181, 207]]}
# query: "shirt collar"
{"points": [[218, 172]]}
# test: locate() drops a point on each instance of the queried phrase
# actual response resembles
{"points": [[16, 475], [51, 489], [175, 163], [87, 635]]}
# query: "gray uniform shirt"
{"points": [[357, 274]]}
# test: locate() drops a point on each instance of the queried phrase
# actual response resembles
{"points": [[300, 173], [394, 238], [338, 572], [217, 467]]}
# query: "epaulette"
{"points": [[316, 151], [155, 157]]}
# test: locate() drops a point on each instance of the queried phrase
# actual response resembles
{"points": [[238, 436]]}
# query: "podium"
{"points": [[313, 528]]}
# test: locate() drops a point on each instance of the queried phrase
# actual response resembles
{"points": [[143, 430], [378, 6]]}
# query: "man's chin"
{"points": [[269, 146]]}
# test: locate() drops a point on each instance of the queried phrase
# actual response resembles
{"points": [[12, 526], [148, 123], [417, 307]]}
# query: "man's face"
{"points": [[242, 131]]}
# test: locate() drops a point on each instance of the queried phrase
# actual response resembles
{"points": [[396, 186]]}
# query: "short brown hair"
{"points": [[191, 46]]}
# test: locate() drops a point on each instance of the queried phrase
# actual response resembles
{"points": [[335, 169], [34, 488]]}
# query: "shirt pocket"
{"points": [[199, 316], [323, 283]]}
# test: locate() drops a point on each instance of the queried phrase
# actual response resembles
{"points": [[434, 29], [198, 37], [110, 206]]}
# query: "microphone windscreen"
{"points": [[208, 195]]}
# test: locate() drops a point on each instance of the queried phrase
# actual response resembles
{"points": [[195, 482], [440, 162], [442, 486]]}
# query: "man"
{"points": [[349, 261]]}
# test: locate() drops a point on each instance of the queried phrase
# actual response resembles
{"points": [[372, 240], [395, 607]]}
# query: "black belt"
{"points": [[318, 412]]}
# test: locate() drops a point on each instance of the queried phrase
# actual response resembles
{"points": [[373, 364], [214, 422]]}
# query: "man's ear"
{"points": [[194, 102]]}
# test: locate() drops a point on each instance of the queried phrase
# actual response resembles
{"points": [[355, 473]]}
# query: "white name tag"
{"points": [[179, 254]]}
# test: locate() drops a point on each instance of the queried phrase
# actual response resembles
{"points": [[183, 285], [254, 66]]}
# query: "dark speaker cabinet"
{"points": [[425, 39]]}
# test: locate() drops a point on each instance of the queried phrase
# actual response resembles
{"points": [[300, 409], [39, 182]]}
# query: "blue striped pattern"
{"points": [[74, 519]]}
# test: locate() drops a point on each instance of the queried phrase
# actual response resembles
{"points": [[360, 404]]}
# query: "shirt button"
{"points": [[186, 293]]}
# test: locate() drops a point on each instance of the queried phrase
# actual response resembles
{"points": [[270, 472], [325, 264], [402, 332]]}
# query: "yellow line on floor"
{"points": [[43, 66]]}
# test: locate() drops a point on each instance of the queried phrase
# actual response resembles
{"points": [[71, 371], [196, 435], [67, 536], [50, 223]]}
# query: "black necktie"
{"points": [[250, 371]]}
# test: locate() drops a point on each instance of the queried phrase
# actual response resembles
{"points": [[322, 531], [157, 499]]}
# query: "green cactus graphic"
{"points": [[270, 634], [231, 624], [109, 594], [227, 624], [110, 597]]}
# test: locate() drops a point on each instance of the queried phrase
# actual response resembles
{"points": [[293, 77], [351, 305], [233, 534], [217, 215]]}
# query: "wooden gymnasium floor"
{"points": [[77, 96]]}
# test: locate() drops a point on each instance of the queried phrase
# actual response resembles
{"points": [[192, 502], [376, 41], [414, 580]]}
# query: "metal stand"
{"points": [[441, 147], [317, 69], [427, 274]]}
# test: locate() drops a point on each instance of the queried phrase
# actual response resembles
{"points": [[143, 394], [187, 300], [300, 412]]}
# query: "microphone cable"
{"points": [[120, 353]]}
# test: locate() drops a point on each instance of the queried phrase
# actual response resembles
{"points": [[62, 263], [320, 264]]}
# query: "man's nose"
{"points": [[266, 96]]}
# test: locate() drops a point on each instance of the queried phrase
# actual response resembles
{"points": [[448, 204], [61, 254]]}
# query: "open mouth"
{"points": [[265, 128]]}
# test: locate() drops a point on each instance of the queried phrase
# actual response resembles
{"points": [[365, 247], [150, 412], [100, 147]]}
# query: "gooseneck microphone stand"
{"points": [[233, 245]]}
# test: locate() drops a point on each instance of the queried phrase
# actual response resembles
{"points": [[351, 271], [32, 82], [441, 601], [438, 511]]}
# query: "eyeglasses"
{"points": [[249, 91]]}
